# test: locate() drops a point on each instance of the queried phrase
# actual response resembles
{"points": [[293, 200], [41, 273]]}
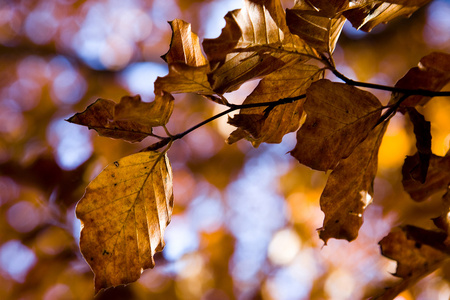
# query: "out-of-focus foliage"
{"points": [[244, 220]]}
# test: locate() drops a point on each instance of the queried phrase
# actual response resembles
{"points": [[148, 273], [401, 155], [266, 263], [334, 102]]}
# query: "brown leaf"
{"points": [[414, 259], [184, 46], [338, 118], [318, 30], [123, 214], [131, 120], [264, 127], [365, 15], [349, 189], [437, 180], [423, 144], [255, 42], [156, 113], [432, 73]]}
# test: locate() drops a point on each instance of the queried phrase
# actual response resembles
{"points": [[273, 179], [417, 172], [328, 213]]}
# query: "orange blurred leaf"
{"points": [[349, 189], [338, 118], [124, 213], [131, 120]]}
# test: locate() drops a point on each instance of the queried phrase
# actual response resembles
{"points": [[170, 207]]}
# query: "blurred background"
{"points": [[245, 219]]}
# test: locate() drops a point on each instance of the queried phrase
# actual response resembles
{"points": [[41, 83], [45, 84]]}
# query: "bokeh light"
{"points": [[71, 143], [16, 259]]}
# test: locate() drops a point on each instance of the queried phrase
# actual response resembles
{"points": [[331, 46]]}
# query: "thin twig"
{"points": [[410, 92], [234, 107]]}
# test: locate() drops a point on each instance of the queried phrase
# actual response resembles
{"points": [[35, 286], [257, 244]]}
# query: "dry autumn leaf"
{"points": [[349, 189], [131, 119], [124, 213], [338, 118], [261, 128]]}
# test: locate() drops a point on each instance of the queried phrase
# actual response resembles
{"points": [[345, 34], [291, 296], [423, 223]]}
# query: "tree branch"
{"points": [[270, 105]]}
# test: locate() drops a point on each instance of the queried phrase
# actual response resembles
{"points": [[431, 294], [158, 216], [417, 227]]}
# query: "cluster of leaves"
{"points": [[126, 209]]}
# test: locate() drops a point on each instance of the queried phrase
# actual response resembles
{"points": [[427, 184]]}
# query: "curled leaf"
{"points": [[131, 120], [184, 46], [338, 118], [123, 214]]}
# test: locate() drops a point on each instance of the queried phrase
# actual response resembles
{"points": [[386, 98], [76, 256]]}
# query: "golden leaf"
{"points": [[349, 189], [123, 214], [338, 118]]}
